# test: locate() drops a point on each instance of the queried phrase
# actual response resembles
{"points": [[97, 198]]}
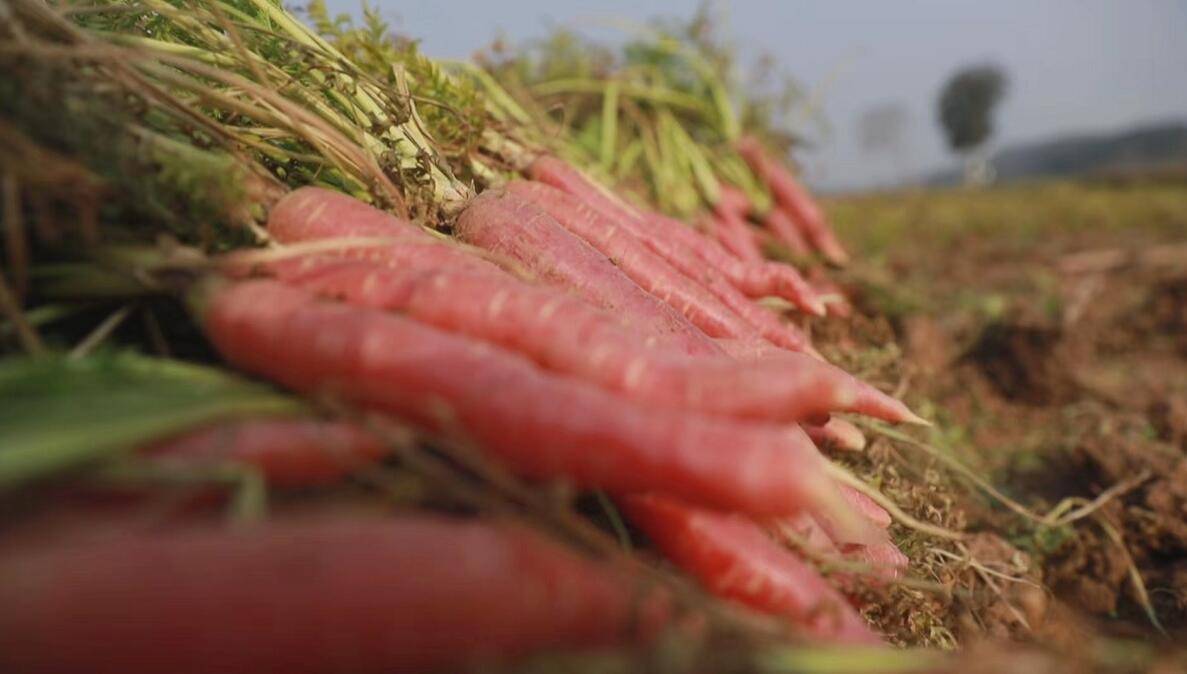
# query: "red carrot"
{"points": [[839, 434], [734, 235], [866, 506], [328, 595], [565, 177], [764, 322], [289, 452], [317, 213], [780, 333], [859, 502], [831, 294], [673, 240], [735, 559], [311, 214], [564, 334], [638, 262], [398, 256], [509, 226], [791, 196], [767, 324], [314, 214], [733, 200], [540, 425], [884, 559], [755, 279], [870, 401], [752, 352], [729, 224], [779, 223], [803, 529], [699, 292]]}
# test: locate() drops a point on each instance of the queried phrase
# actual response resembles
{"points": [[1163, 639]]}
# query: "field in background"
{"points": [[1046, 325]]}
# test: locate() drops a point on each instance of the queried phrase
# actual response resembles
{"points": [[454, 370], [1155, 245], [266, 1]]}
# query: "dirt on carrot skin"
{"points": [[1047, 335]]}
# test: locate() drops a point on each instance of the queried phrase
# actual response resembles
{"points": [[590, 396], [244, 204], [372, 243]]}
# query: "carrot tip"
{"points": [[815, 306], [835, 254], [848, 524], [910, 417], [848, 436]]}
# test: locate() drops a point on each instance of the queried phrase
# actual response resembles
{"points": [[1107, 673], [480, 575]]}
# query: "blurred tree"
{"points": [[966, 113], [881, 132]]}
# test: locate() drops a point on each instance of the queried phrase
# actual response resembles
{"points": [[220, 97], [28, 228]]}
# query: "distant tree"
{"points": [[880, 133], [966, 114]]}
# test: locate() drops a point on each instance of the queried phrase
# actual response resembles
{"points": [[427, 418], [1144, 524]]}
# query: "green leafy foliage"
{"points": [[168, 175], [59, 414], [224, 101], [660, 114], [452, 109], [268, 53]]}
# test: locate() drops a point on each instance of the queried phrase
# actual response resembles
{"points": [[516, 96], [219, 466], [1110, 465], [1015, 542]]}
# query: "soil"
{"points": [[1063, 378]]}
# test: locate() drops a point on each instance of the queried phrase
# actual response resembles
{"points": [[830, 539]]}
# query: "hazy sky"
{"points": [[1075, 65]]}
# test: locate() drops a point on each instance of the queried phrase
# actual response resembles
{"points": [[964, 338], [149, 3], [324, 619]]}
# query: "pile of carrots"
{"points": [[563, 332], [566, 335]]}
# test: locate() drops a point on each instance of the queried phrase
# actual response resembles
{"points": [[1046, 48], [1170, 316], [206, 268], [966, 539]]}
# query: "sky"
{"points": [[1074, 65]]}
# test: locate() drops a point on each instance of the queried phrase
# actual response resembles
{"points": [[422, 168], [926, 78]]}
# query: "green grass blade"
{"points": [[58, 414]]}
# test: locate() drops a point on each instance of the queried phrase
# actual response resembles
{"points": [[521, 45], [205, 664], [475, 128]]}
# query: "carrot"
{"points": [[729, 225], [643, 266], [791, 196], [300, 217], [676, 242], [733, 200], [866, 506], [782, 334], [753, 279], [539, 425], [870, 401], [310, 214], [765, 322], [735, 559], [289, 452], [565, 177], [831, 294], [509, 226], [837, 433], [779, 223], [317, 213], [314, 214], [734, 235], [326, 595], [752, 352], [869, 510], [564, 334], [806, 531], [884, 559], [404, 257]]}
